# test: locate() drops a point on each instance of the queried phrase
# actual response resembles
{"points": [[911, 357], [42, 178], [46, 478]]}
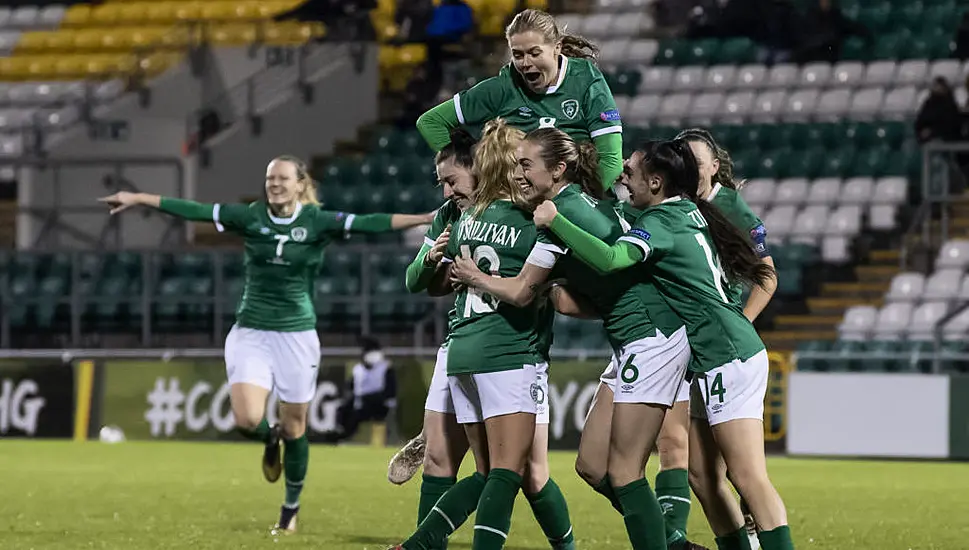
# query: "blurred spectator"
{"points": [[939, 117], [372, 392], [419, 96], [412, 17], [344, 19], [450, 23], [823, 31]]}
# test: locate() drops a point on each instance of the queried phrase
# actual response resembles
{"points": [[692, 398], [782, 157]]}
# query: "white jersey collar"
{"points": [[563, 68], [285, 221], [713, 192]]}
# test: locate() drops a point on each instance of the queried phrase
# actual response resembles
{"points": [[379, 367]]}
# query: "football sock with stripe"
{"points": [[449, 513], [604, 488], [776, 539], [493, 520], [432, 489], [259, 433], [737, 540], [673, 494], [296, 459], [643, 516], [552, 513]]}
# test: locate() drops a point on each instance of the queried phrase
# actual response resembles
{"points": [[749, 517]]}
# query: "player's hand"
{"points": [[436, 252], [545, 213], [120, 201], [464, 271]]}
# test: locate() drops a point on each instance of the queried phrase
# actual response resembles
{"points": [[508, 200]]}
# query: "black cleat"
{"points": [[272, 461], [287, 520], [687, 545]]}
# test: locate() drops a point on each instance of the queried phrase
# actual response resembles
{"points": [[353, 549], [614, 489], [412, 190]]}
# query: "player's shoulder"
{"points": [[584, 68], [727, 195], [448, 212]]}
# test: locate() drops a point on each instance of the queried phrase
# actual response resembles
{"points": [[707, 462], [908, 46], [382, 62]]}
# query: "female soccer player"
{"points": [[444, 503], [552, 81], [274, 344], [650, 340], [682, 239]]}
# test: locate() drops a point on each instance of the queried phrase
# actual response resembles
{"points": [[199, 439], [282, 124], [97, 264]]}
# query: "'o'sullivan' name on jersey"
{"points": [[474, 230]]}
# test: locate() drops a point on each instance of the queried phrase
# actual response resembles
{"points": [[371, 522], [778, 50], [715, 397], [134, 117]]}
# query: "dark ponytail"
{"points": [[674, 161], [460, 149], [581, 161]]}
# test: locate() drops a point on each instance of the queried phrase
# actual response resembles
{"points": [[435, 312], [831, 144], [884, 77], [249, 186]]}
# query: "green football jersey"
{"points": [[737, 212], [488, 335], [580, 103], [282, 259], [683, 261], [446, 215], [630, 308]]}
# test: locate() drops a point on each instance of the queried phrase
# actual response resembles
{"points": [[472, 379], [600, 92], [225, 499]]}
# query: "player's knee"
{"points": [[247, 420], [674, 451], [437, 463], [589, 472], [749, 480], [293, 428], [536, 477]]}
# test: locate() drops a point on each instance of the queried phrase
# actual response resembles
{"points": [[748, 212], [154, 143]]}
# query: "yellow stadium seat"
{"points": [[61, 40], [158, 63], [233, 34], [187, 11], [106, 14], [180, 36], [89, 39], [146, 36], [33, 41], [14, 68], [217, 10], [41, 66], [78, 14], [503, 8], [292, 33], [493, 25], [537, 4], [413, 54], [386, 8], [133, 13], [160, 13], [69, 66]]}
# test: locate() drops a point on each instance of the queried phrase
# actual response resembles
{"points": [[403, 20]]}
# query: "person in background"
{"points": [[412, 17], [372, 390], [939, 117], [823, 31]]}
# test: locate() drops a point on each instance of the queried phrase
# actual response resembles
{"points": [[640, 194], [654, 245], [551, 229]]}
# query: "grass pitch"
{"points": [[140, 496]]}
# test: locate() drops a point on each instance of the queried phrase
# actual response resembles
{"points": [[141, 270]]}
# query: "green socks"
{"points": [[432, 489], [673, 494], [296, 458], [776, 539], [643, 517], [604, 488], [552, 513], [494, 510], [447, 514], [259, 433], [738, 540]]}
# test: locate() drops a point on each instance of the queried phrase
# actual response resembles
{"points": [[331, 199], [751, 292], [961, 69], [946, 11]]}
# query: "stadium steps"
{"points": [[871, 291], [784, 323], [788, 340]]}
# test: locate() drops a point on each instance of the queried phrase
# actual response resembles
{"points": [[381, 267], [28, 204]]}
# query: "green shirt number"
{"points": [[715, 389], [629, 372], [478, 302]]}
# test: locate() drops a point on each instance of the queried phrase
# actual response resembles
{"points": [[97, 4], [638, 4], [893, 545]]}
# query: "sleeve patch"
{"points": [[641, 233], [758, 237], [612, 115]]}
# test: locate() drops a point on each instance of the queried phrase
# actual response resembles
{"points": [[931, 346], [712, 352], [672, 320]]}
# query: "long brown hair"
{"points": [[581, 161], [544, 24], [308, 195], [724, 175], [495, 162], [675, 162]]}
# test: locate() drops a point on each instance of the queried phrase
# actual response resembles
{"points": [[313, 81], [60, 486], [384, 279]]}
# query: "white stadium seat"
{"points": [[769, 105], [688, 79], [614, 52], [5, 15], [891, 190], [880, 73], [824, 191], [11, 145], [791, 191], [25, 16], [833, 104], [599, 26], [924, 319], [51, 16], [844, 221], [780, 221], [810, 224], [883, 217], [720, 77], [631, 23], [815, 75], [675, 108], [847, 74], [954, 253], [944, 284], [784, 75], [950, 69], [705, 108], [737, 106], [857, 190], [642, 52], [914, 72], [866, 103], [835, 250], [570, 23], [759, 191], [957, 328], [964, 288], [900, 103], [643, 109], [906, 287], [751, 77], [892, 320], [656, 80], [858, 323], [8, 40], [800, 105]]}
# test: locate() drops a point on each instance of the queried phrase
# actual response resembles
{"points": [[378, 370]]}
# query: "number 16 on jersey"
{"points": [[477, 301]]}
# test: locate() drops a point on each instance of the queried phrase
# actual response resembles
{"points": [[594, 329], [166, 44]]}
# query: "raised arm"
{"points": [[609, 147], [435, 125], [185, 209], [382, 223], [588, 248]]}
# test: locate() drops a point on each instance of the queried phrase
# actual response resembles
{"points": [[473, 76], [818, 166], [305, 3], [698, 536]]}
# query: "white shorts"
{"points": [[285, 361], [652, 369], [608, 378], [735, 390], [439, 393], [478, 397]]}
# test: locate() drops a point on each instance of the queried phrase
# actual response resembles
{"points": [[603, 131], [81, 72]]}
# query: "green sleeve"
{"points": [[368, 223], [650, 233], [435, 125], [610, 158], [589, 249], [188, 210], [418, 274]]}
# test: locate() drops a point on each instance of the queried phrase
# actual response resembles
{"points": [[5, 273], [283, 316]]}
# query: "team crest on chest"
{"points": [[298, 234], [570, 108]]}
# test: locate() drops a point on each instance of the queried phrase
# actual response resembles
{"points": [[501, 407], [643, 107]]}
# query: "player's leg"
{"points": [[734, 398], [296, 360], [248, 365], [592, 461], [543, 494], [673, 445], [650, 374]]}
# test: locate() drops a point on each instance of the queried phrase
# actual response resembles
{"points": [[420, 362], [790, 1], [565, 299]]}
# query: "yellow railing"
{"points": [[775, 401]]}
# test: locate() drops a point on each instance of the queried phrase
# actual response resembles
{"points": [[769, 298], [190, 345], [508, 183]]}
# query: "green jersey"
{"points": [[735, 209], [446, 215], [282, 259], [488, 335], [580, 103], [630, 308], [683, 262]]}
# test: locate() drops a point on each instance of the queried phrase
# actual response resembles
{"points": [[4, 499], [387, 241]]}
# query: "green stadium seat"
{"points": [[345, 198], [805, 161], [702, 52], [339, 262], [845, 347], [167, 304], [407, 200], [890, 134], [884, 364], [837, 163], [808, 364], [855, 49], [201, 293], [871, 162], [736, 51], [773, 163], [376, 199], [893, 46], [875, 17], [790, 281], [673, 52], [340, 171]]}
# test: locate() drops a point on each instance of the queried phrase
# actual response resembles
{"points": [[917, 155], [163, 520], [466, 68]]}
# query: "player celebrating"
{"points": [[274, 344], [552, 81], [682, 239], [650, 340]]}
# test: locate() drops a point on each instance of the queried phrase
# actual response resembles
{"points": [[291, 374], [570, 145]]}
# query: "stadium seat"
{"points": [[893, 319], [858, 322], [943, 284], [957, 328], [964, 288], [705, 108], [674, 108], [737, 106], [780, 221], [883, 217], [847, 74], [750, 77], [631, 24], [825, 191], [759, 191], [643, 108], [811, 223], [791, 191], [687, 79], [815, 75], [900, 103], [835, 249], [954, 254], [880, 73], [924, 319], [833, 104], [768, 106], [642, 52], [950, 69], [891, 190], [614, 51], [857, 190], [906, 287], [844, 221], [866, 103], [783, 76], [912, 73], [600, 25], [656, 80], [800, 105], [720, 77]]}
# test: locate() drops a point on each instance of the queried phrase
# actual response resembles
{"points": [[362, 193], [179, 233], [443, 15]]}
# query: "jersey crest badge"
{"points": [[298, 234], [570, 108]]}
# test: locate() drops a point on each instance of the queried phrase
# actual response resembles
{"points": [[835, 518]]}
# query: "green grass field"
{"points": [[138, 496]]}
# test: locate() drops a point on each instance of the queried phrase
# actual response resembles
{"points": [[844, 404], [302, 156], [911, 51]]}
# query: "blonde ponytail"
{"points": [[495, 161]]}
